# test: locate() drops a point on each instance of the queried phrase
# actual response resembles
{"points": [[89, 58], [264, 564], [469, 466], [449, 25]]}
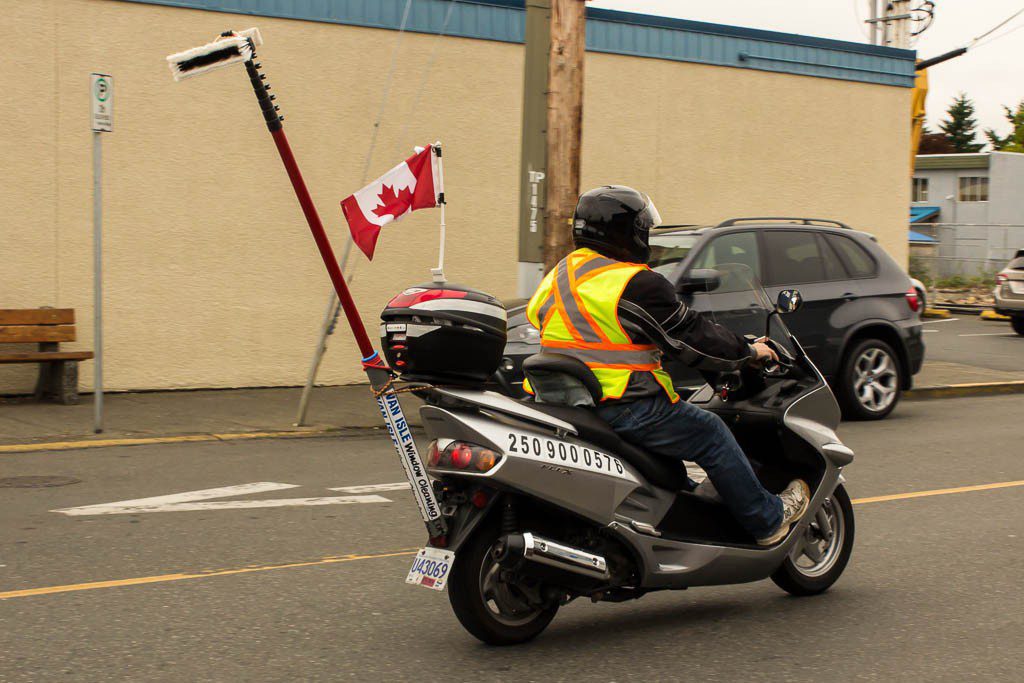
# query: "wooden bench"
{"points": [[48, 327]]}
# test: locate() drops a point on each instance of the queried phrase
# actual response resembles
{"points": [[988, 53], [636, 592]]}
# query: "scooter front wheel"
{"points": [[493, 608], [819, 558]]}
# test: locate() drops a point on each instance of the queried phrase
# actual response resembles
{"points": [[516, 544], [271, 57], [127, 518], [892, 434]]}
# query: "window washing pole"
{"points": [[232, 48], [378, 374]]}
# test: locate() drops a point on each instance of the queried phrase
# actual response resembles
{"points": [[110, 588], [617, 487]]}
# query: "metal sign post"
{"points": [[101, 94]]}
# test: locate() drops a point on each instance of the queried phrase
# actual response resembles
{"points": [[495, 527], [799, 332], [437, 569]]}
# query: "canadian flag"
{"points": [[416, 183]]}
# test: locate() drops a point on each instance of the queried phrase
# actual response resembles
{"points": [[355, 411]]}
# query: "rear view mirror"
{"points": [[789, 300], [699, 280]]}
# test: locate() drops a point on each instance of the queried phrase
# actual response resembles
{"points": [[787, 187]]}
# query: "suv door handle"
{"points": [[849, 296]]}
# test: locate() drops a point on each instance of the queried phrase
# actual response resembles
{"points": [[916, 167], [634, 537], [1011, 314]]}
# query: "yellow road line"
{"points": [[142, 441], [938, 492], [162, 578]]}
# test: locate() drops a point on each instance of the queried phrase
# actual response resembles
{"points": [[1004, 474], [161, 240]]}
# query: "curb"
{"points": [[935, 313], [962, 309], [962, 390], [340, 432], [920, 394]]}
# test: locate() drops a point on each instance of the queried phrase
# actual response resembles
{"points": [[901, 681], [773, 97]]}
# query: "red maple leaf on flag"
{"points": [[391, 203]]}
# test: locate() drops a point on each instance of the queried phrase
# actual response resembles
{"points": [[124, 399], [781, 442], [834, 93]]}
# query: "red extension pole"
{"points": [[378, 374], [316, 226]]}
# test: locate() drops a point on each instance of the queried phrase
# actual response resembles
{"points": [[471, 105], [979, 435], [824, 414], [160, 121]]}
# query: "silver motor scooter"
{"points": [[543, 503]]}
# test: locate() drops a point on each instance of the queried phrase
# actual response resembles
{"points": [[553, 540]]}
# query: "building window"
{"points": [[920, 190], [973, 189]]}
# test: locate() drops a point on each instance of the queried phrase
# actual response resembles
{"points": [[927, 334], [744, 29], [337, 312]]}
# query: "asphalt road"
{"points": [[932, 592], [970, 340]]}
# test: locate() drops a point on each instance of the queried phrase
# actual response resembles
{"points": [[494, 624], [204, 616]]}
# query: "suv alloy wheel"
{"points": [[869, 381]]}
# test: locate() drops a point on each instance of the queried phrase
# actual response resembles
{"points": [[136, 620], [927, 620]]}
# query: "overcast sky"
{"points": [[991, 74]]}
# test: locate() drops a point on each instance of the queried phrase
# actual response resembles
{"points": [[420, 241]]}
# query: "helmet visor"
{"points": [[649, 218]]}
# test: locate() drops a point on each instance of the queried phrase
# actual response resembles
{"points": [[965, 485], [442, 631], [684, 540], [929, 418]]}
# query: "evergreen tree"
{"points": [[1014, 142], [961, 124]]}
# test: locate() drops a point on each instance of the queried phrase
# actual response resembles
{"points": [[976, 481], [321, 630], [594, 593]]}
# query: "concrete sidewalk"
{"points": [[222, 411], [252, 411], [941, 373]]}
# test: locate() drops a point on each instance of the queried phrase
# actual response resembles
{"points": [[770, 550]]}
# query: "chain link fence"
{"points": [[963, 255]]}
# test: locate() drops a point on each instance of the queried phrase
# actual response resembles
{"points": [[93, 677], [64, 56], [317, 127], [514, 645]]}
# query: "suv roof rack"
{"points": [[791, 219]]}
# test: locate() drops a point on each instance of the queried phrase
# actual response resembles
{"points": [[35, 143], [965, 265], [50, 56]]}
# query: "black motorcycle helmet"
{"points": [[616, 221]]}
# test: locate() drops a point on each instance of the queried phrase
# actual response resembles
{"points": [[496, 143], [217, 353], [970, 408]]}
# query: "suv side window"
{"points": [[834, 268], [858, 261], [795, 257], [733, 247]]}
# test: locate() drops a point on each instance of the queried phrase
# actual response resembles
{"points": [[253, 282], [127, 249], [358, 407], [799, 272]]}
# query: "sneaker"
{"points": [[794, 504]]}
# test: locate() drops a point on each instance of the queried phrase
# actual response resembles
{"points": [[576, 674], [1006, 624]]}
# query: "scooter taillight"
{"points": [[433, 454], [462, 455], [459, 455]]}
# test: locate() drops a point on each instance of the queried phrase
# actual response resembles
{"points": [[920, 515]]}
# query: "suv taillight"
{"points": [[913, 300], [1000, 279], [463, 456]]}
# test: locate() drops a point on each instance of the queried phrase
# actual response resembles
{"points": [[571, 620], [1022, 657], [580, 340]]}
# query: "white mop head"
{"points": [[231, 48]]}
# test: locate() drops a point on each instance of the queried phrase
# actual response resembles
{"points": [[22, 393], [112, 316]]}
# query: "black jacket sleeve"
{"points": [[650, 311]]}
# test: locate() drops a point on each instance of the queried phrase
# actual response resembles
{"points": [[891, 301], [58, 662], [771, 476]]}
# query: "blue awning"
{"points": [[921, 213], [918, 238]]}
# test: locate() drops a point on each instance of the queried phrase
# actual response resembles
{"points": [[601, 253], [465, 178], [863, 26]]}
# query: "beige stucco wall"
{"points": [[211, 278], [709, 143]]}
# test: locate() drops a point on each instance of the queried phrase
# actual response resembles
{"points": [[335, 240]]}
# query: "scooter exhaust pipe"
{"points": [[512, 549]]}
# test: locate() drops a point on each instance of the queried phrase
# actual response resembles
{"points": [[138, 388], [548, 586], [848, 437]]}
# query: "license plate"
{"points": [[431, 567], [1017, 287]]}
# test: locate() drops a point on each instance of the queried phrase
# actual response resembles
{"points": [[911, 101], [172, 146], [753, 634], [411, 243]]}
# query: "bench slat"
{"points": [[37, 316], [43, 356], [37, 333]]}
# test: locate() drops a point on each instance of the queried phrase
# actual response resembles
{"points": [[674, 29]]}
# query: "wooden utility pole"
{"points": [[565, 124], [533, 162]]}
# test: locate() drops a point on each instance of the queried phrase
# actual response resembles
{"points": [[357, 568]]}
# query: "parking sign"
{"points": [[102, 96]]}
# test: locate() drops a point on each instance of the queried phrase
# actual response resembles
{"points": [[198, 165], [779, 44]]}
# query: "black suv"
{"points": [[859, 321]]}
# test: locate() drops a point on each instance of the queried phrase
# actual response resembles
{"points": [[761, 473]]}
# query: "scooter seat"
{"points": [[661, 472]]}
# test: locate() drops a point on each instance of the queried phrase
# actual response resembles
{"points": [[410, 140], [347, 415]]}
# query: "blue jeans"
{"points": [[682, 431]]}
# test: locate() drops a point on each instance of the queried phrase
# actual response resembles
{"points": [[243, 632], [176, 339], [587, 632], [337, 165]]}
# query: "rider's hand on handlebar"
{"points": [[765, 353]]}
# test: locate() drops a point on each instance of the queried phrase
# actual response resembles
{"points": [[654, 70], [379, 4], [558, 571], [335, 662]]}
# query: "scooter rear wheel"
{"points": [[820, 557], [492, 609]]}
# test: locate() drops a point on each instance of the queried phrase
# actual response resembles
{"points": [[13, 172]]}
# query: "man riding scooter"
{"points": [[604, 307]]}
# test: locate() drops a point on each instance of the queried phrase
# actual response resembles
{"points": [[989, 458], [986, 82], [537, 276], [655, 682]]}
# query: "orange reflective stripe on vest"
{"points": [[576, 310]]}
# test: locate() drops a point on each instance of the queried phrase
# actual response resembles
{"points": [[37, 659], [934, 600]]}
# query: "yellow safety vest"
{"points": [[576, 309]]}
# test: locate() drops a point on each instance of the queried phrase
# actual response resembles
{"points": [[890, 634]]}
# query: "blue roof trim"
{"points": [[920, 213], [607, 31]]}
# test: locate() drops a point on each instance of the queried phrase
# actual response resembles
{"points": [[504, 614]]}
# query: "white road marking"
{"points": [[929, 330], [176, 498], [188, 501], [988, 334], [935, 322], [373, 488]]}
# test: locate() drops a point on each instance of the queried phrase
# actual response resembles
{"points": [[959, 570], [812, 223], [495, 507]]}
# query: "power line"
{"points": [[1002, 35], [998, 26]]}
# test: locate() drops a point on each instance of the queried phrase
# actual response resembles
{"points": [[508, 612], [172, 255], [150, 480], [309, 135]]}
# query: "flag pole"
{"points": [[438, 272]]}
